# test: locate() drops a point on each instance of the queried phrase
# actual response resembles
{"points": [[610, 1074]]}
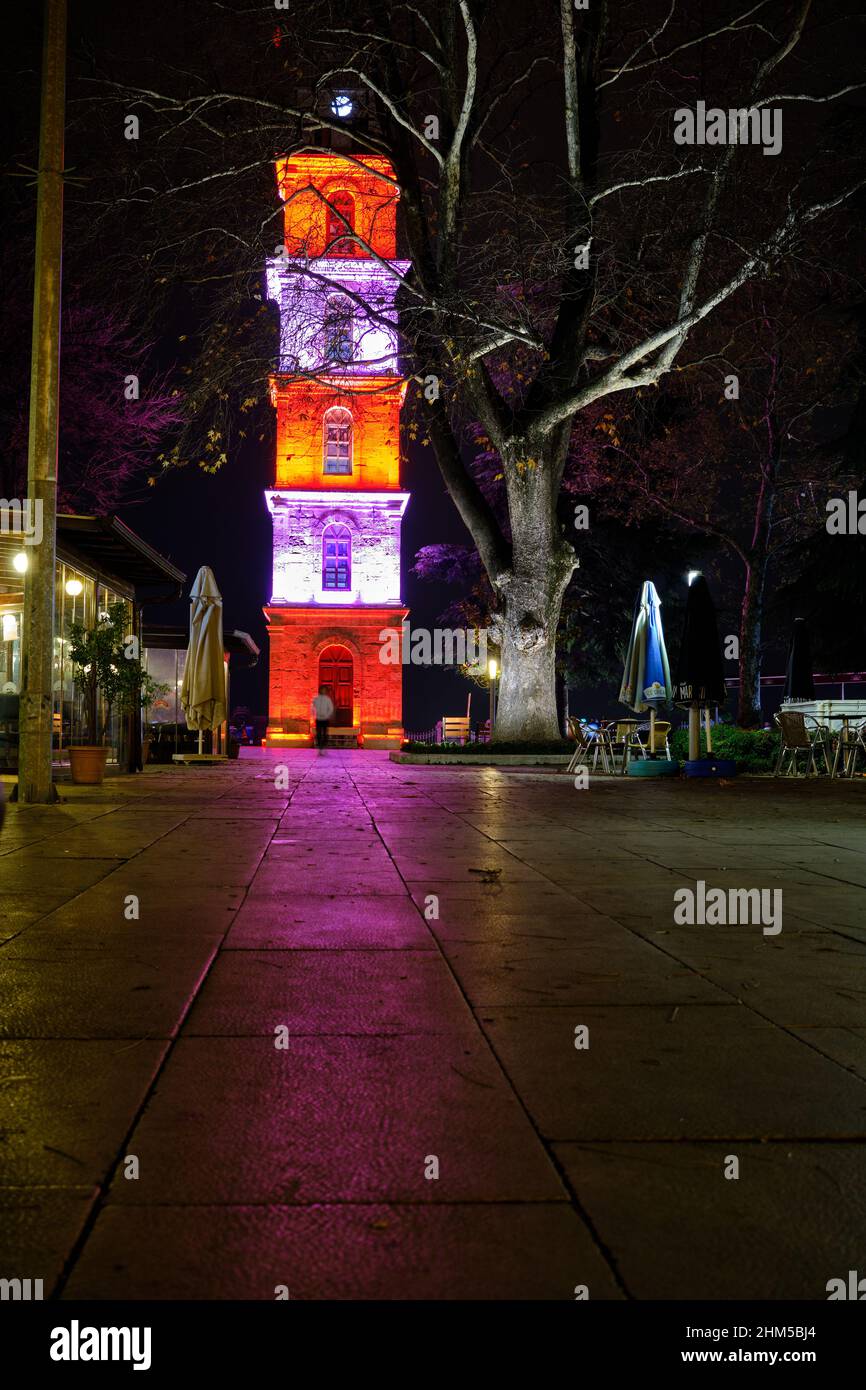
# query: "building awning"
{"points": [[842, 678], [109, 547], [238, 645]]}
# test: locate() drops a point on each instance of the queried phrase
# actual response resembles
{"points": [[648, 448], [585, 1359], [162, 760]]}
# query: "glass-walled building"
{"points": [[100, 561], [164, 658]]}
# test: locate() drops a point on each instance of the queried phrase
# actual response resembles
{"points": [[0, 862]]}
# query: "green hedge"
{"points": [[564, 746], [753, 750]]}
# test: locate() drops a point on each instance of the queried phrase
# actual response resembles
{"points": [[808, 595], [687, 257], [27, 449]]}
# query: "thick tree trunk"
{"points": [[751, 625], [531, 598], [527, 700]]}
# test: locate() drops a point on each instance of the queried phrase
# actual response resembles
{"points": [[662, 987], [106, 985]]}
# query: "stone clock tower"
{"points": [[336, 503]]}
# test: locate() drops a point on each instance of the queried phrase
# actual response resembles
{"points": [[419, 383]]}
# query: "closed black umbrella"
{"points": [[798, 677], [699, 673]]}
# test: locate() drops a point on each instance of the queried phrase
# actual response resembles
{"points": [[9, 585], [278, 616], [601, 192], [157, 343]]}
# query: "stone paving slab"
{"points": [[327, 992], [96, 918], [287, 921], [655, 1073], [847, 1046], [796, 979], [38, 1226], [65, 1106], [489, 922], [678, 1229], [23, 872], [18, 910], [616, 970], [341, 880], [336, 1119], [114, 837], [129, 993], [466, 1252], [517, 895]]}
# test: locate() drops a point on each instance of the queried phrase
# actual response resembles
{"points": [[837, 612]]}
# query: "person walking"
{"points": [[323, 709]]}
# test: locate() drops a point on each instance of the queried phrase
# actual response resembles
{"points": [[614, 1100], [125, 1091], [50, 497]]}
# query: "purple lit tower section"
{"points": [[336, 504]]}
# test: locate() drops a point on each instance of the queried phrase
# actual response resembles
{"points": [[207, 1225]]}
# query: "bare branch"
{"points": [[735, 26], [651, 178]]}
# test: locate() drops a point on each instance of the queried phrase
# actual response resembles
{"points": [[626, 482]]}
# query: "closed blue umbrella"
{"points": [[646, 679]]}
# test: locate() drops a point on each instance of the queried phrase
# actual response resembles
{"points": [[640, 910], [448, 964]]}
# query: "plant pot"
{"points": [[145, 751], [653, 767], [710, 766], [88, 765]]}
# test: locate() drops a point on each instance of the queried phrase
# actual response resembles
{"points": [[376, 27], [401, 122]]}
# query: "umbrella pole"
{"points": [[708, 727], [694, 733], [200, 737], [652, 739]]}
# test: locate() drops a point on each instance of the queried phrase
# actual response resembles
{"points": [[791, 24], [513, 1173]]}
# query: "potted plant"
{"points": [[106, 663]]}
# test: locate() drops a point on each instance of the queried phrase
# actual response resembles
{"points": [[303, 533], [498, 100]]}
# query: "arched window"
{"points": [[339, 217], [337, 441], [338, 334], [337, 558]]}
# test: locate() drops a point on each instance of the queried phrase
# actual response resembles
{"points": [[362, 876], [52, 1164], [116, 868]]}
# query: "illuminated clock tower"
{"points": [[336, 503]]}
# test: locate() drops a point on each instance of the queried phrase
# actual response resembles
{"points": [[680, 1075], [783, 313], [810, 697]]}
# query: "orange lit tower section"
{"points": [[336, 503]]}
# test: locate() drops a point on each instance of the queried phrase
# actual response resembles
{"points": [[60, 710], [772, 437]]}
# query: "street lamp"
{"points": [[73, 588], [492, 669]]}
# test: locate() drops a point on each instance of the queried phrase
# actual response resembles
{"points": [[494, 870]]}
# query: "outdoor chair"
{"points": [[849, 748], [586, 745], [661, 742], [590, 737], [797, 737], [455, 729]]}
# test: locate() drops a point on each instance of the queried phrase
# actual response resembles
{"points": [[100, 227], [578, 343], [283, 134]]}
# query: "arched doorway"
{"points": [[335, 674]]}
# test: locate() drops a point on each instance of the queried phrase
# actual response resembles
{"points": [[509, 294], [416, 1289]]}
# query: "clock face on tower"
{"points": [[336, 504]]}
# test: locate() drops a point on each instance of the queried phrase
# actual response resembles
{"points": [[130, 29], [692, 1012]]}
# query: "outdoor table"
{"points": [[630, 725]]}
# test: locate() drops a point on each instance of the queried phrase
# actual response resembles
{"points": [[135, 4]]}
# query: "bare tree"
{"points": [[748, 465]]}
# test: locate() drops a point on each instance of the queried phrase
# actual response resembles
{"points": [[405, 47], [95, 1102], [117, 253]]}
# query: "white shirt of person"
{"points": [[323, 707]]}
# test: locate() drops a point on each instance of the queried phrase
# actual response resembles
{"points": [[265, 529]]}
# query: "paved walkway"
{"points": [[425, 942]]}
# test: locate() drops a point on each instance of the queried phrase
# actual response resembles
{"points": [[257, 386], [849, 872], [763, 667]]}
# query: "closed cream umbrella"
{"points": [[203, 693]]}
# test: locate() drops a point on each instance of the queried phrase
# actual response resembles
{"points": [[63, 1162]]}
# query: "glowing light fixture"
{"points": [[74, 587], [342, 106], [492, 668], [20, 562], [692, 575]]}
